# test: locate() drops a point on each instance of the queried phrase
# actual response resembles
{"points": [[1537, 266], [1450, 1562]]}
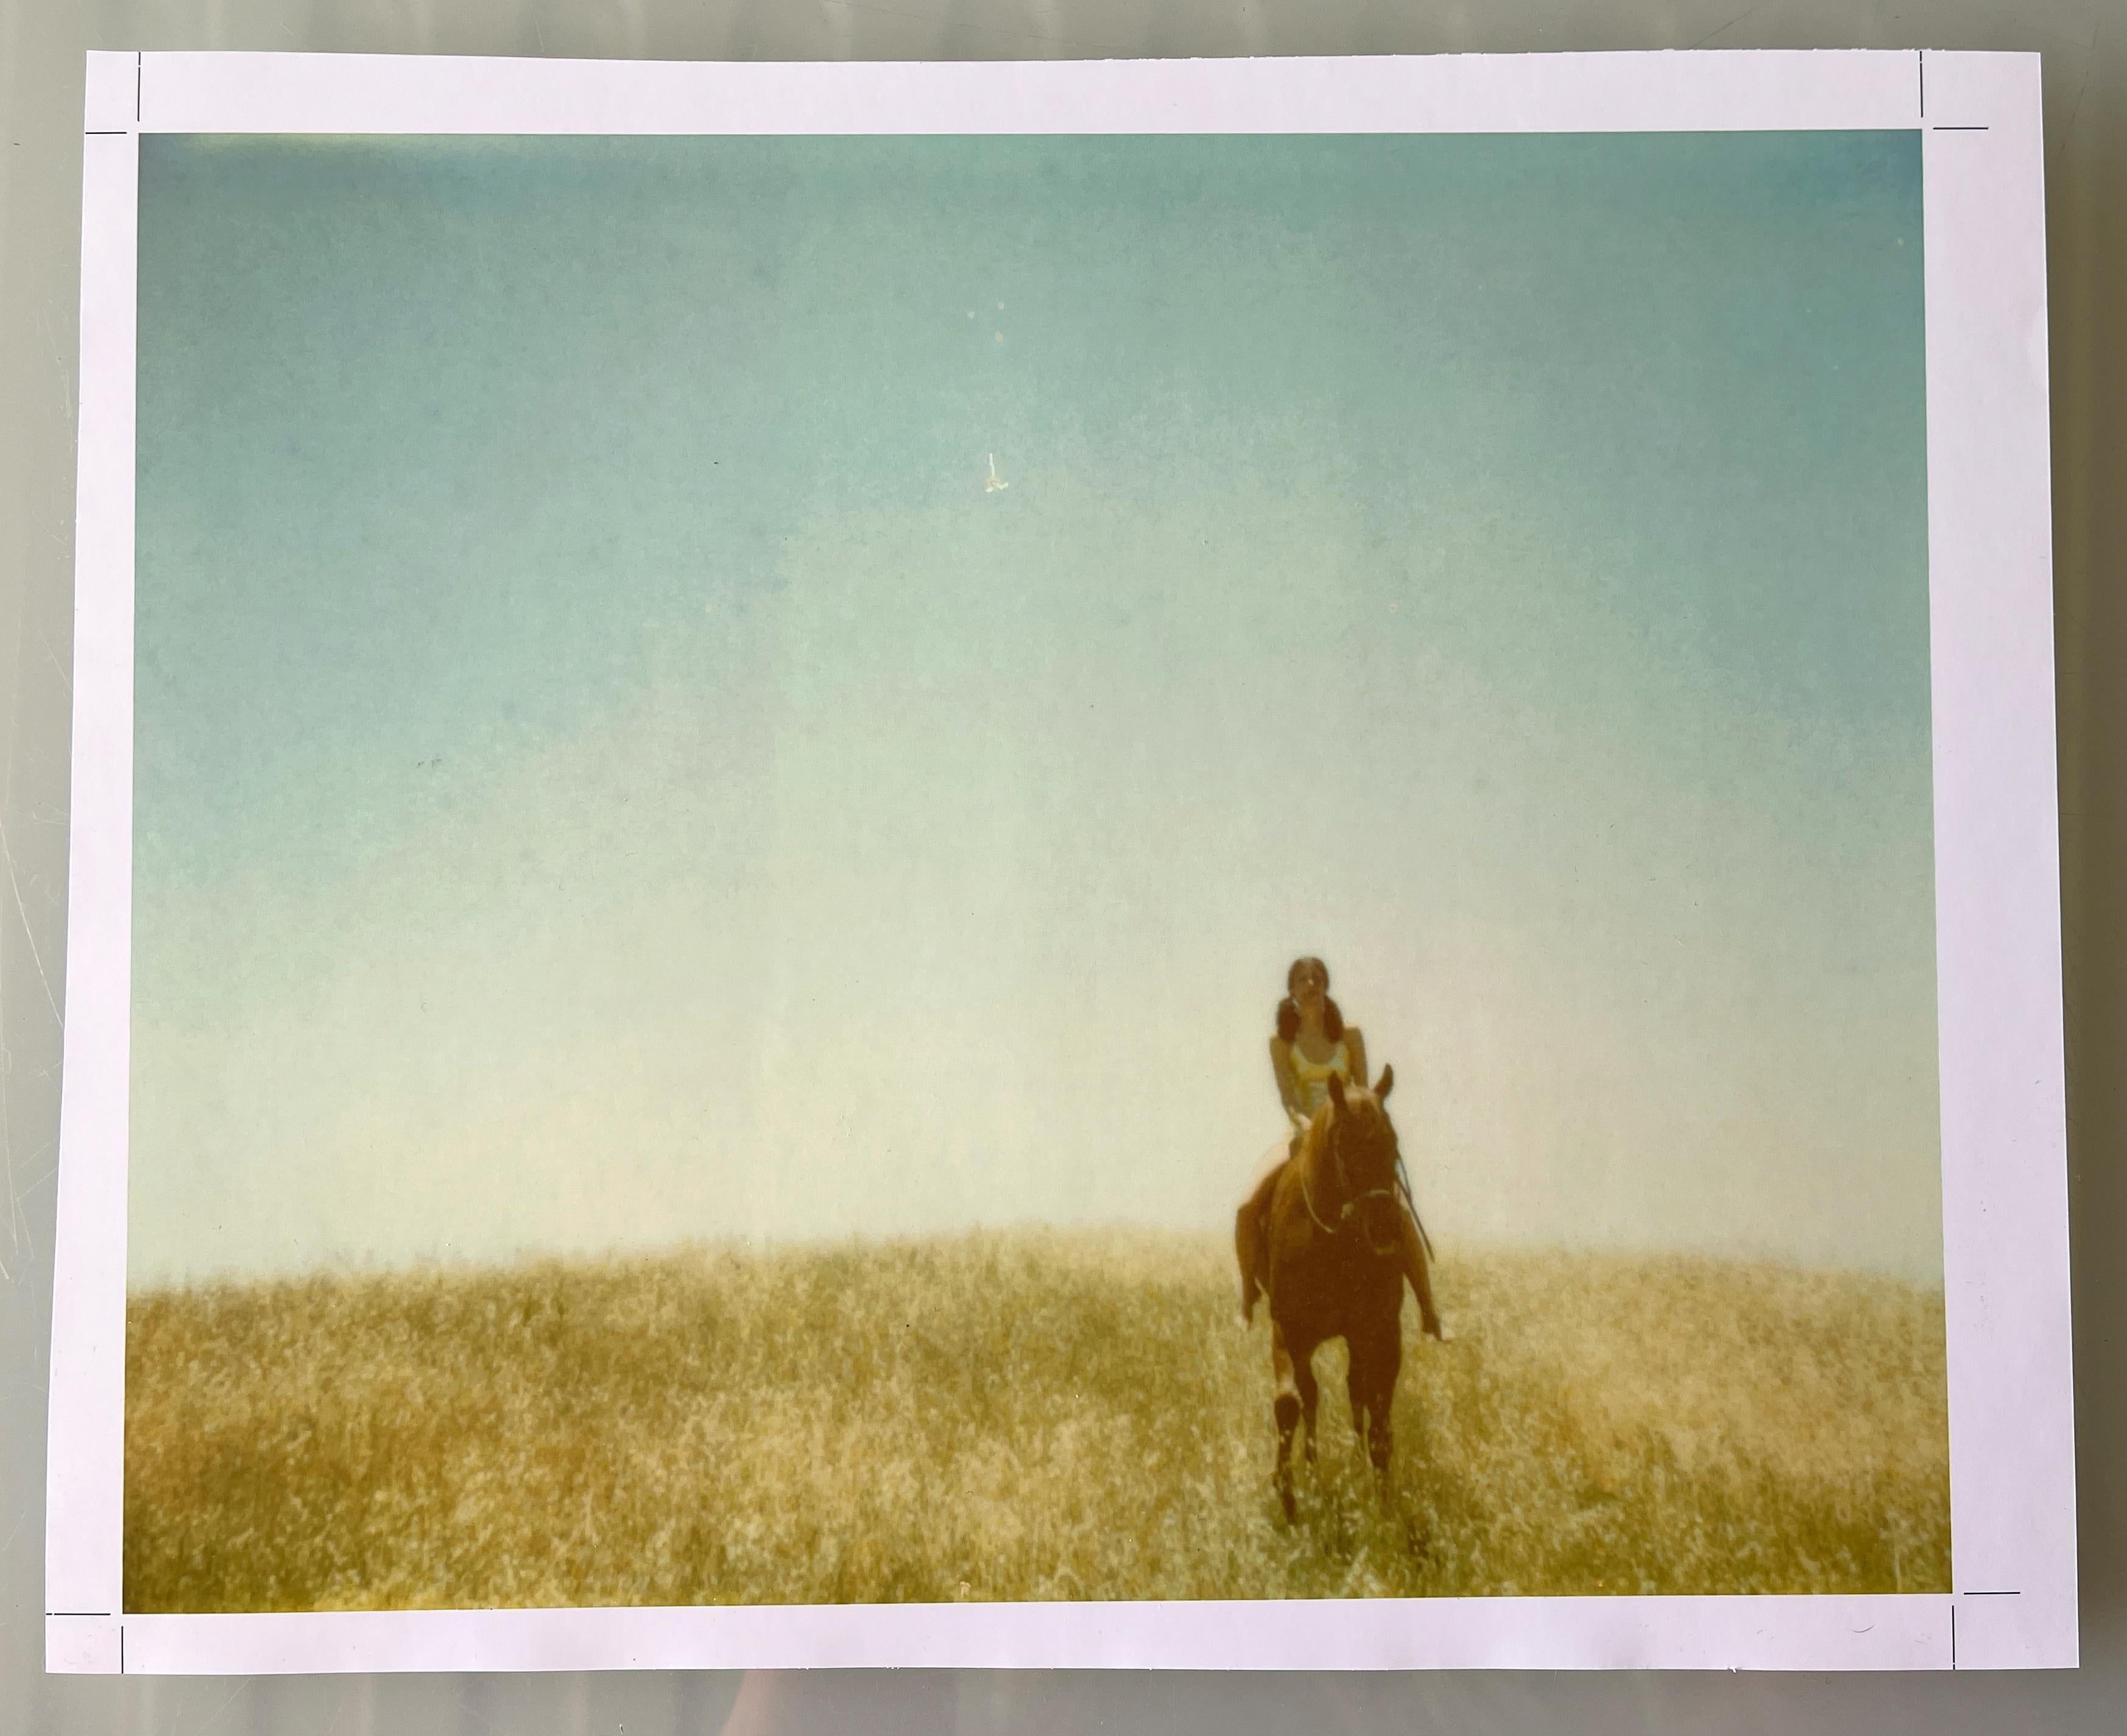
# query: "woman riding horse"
{"points": [[1312, 1043]]}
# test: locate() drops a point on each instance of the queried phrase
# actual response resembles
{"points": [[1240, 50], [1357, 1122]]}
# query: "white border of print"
{"points": [[1996, 859]]}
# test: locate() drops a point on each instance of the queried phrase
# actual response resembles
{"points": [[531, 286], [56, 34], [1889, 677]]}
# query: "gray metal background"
{"points": [[42, 42]]}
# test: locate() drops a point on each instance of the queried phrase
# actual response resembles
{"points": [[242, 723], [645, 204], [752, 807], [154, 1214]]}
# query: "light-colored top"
{"points": [[1312, 1077]]}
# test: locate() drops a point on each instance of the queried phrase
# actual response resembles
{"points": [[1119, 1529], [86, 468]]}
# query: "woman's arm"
{"points": [[1288, 1086], [1355, 1049]]}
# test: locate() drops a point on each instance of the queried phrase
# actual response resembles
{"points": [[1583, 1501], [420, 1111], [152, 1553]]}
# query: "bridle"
{"points": [[1399, 1191]]}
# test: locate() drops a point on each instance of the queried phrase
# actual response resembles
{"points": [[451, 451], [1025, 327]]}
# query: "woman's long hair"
{"points": [[1288, 1009]]}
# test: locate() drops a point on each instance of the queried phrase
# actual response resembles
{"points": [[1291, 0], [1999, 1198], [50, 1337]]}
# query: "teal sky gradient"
{"points": [[607, 771]]}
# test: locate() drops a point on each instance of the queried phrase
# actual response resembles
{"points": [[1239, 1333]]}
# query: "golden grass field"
{"points": [[1016, 1416]]}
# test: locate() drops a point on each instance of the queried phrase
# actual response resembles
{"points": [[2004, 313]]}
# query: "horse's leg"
{"points": [[1286, 1406], [1355, 1385], [1383, 1355], [1310, 1393], [1381, 1433]]}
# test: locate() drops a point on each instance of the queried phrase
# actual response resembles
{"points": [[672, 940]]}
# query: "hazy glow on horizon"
{"points": [[611, 770]]}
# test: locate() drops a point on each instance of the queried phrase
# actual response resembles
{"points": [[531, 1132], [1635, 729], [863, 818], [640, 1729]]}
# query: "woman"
{"points": [[1312, 1042]]}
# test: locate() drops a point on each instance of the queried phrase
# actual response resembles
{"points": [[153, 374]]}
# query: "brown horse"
{"points": [[1320, 1241]]}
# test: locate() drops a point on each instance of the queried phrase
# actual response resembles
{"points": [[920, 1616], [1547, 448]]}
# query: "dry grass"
{"points": [[1015, 1416]]}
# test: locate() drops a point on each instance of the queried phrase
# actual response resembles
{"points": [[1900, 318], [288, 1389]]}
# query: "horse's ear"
{"points": [[1387, 1084], [1337, 1090]]}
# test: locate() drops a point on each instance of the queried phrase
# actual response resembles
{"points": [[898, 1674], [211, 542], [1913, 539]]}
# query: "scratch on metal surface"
{"points": [[29, 934], [214, 1716], [66, 680], [2075, 109], [18, 1239], [18, 1225], [1731, 25]]}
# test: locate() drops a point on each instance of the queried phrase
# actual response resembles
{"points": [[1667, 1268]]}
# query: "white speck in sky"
{"points": [[995, 481]]}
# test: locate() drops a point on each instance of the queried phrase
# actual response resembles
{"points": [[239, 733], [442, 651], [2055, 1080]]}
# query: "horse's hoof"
{"points": [[1440, 1332]]}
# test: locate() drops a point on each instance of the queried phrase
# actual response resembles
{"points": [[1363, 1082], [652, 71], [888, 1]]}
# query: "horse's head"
{"points": [[1360, 1143]]}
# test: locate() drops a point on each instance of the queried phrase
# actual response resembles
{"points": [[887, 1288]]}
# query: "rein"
{"points": [[1401, 1193], [1411, 1199]]}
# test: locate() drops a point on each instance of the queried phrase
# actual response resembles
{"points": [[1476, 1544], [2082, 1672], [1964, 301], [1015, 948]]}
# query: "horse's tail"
{"points": [[1248, 1241], [1252, 1241]]}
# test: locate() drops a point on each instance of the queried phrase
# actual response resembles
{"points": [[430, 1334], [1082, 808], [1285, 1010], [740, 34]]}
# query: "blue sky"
{"points": [[608, 770]]}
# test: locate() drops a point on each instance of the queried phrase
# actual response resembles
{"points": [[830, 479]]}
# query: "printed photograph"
{"points": [[927, 869]]}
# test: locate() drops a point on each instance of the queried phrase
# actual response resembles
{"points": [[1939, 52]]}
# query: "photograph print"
{"points": [[910, 869]]}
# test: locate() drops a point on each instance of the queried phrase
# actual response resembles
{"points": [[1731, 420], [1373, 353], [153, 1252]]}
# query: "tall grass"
{"points": [[1016, 1415]]}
